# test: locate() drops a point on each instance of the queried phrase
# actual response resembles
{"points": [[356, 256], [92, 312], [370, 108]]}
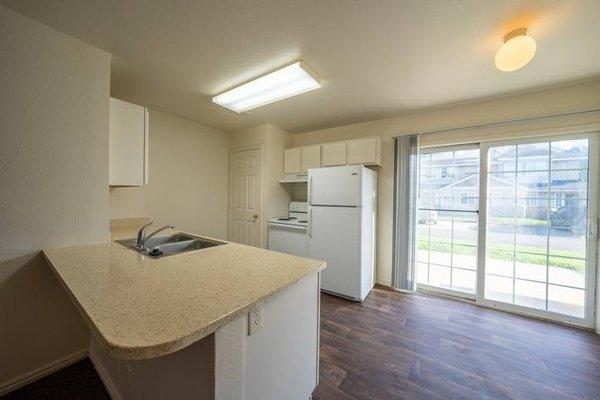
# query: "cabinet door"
{"points": [[310, 157], [128, 144], [291, 161], [334, 154], [363, 151]]}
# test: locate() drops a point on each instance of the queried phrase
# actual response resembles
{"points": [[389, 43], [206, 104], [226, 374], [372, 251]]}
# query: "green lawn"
{"points": [[519, 221], [560, 259]]}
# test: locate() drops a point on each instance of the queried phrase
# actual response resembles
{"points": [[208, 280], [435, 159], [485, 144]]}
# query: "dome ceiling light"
{"points": [[518, 49]]}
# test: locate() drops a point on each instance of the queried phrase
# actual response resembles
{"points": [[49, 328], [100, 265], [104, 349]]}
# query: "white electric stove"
{"points": [[288, 234]]}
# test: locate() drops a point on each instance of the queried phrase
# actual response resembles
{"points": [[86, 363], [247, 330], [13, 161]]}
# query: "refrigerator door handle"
{"points": [[310, 222], [309, 188]]}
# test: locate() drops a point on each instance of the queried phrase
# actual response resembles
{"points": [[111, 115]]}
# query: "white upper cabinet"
{"points": [[333, 154], [298, 160], [128, 144], [364, 151], [291, 161], [310, 157]]}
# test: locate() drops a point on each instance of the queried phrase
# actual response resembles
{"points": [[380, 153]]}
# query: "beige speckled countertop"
{"points": [[141, 307]]}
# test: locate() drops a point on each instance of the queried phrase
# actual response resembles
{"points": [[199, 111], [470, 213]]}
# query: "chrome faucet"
{"points": [[142, 239]]}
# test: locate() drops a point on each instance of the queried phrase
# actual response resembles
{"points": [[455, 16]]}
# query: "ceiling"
{"points": [[377, 58]]}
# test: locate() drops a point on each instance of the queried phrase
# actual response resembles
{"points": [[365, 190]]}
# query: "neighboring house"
{"points": [[453, 182]]}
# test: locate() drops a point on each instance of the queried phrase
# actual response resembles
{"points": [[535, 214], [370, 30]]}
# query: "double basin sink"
{"points": [[167, 245]]}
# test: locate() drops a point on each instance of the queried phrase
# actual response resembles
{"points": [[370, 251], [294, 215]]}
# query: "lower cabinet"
{"points": [[279, 360]]}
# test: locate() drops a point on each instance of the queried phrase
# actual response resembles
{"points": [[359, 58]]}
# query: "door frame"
{"points": [[262, 220], [588, 321]]}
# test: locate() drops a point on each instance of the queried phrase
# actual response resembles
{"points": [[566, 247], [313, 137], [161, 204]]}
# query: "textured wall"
{"points": [[273, 140], [188, 178], [54, 93]]}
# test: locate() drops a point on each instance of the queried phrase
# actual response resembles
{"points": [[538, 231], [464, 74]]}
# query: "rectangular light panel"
{"points": [[286, 82]]}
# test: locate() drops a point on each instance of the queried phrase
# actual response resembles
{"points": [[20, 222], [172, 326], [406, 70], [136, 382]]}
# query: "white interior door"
{"points": [[245, 197], [539, 203]]}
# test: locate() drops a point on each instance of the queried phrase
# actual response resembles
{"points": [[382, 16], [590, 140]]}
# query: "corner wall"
{"points": [[54, 93], [188, 178], [273, 140]]}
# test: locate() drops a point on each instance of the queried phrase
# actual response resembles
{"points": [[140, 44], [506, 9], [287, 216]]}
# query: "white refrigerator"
{"points": [[341, 228]]}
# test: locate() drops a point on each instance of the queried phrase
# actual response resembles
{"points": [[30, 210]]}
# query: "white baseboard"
{"points": [[110, 386], [40, 372]]}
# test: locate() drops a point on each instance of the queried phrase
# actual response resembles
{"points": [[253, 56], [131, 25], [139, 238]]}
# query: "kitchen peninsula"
{"points": [[226, 322]]}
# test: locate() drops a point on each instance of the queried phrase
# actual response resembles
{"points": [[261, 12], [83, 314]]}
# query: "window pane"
{"points": [[422, 271], [439, 276], [422, 250], [567, 271], [564, 242], [533, 156], [530, 266], [440, 233], [568, 185], [464, 257], [572, 216], [532, 185], [501, 186], [532, 232], [499, 262], [530, 294], [570, 154], [498, 288], [502, 159], [566, 300], [463, 280]]}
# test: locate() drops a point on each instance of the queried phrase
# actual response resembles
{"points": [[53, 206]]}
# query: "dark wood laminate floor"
{"points": [[399, 346]]}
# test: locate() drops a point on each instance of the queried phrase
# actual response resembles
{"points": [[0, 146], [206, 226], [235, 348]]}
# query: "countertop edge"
{"points": [[158, 350]]}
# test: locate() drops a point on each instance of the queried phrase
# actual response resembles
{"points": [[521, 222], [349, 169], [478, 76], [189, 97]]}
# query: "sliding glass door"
{"points": [[540, 205], [512, 225], [448, 220]]}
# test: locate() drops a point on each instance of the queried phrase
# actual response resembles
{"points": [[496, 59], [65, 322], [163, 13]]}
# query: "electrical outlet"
{"points": [[255, 319]]}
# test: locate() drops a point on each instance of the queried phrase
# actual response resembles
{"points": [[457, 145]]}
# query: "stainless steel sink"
{"points": [[162, 246]]}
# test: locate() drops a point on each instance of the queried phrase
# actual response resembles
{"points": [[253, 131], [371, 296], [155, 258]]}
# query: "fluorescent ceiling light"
{"points": [[286, 82]]}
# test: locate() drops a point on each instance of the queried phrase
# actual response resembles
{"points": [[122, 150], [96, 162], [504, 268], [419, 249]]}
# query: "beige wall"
{"points": [[54, 93], [188, 178], [273, 140], [584, 95]]}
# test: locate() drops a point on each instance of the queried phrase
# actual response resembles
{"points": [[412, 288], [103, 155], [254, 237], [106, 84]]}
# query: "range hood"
{"points": [[294, 178]]}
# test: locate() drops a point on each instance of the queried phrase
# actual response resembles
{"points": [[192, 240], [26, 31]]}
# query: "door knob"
{"points": [[255, 216]]}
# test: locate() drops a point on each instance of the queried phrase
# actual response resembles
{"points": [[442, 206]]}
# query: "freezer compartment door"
{"points": [[335, 186], [334, 237]]}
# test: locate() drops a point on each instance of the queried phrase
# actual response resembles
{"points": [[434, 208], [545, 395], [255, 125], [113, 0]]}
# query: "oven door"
{"points": [[289, 239]]}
